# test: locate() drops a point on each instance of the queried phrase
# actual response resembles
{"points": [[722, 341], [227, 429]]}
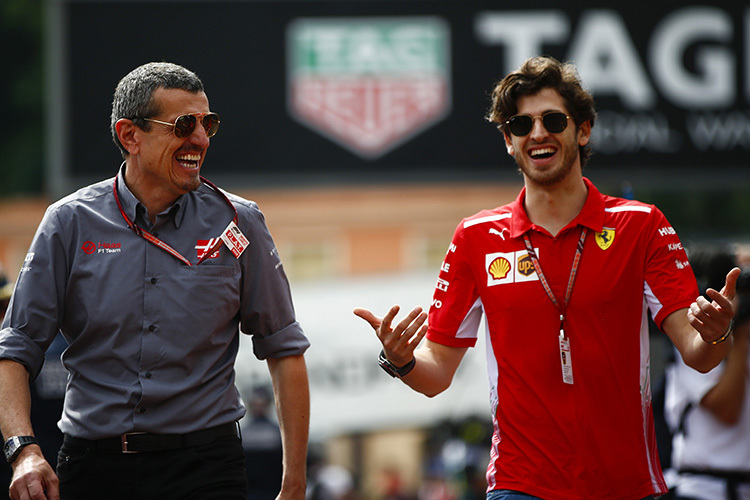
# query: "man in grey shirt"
{"points": [[150, 276]]}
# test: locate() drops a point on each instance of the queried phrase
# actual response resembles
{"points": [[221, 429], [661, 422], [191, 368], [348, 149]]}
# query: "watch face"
{"points": [[9, 447], [13, 446]]}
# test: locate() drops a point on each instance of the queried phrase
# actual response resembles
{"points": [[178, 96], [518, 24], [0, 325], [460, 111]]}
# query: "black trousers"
{"points": [[214, 471]]}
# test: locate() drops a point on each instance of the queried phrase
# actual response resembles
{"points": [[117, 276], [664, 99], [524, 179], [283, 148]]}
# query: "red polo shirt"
{"points": [[593, 438]]}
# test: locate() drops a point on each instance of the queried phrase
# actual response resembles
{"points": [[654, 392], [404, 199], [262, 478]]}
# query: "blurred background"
{"points": [[358, 127]]}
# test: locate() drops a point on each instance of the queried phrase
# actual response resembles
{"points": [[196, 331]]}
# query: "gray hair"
{"points": [[133, 98]]}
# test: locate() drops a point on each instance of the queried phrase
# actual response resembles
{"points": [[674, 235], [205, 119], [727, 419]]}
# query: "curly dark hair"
{"points": [[534, 75]]}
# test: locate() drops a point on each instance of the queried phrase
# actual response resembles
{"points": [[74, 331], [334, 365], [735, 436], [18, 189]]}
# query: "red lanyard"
{"points": [[159, 243], [573, 271]]}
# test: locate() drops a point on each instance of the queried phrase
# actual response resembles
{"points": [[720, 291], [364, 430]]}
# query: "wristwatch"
{"points": [[15, 444], [393, 370]]}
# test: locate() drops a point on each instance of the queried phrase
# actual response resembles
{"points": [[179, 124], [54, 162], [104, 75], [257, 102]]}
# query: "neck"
{"points": [[155, 198], [554, 207]]}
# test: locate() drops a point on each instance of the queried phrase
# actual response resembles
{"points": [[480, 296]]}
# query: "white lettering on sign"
{"points": [[719, 131], [630, 133], [712, 84], [606, 56], [524, 33], [608, 61]]}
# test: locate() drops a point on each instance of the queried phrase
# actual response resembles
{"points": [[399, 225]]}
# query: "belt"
{"points": [[144, 442]]}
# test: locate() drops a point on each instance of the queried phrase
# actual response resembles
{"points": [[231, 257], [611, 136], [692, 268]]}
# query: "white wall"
{"points": [[349, 391]]}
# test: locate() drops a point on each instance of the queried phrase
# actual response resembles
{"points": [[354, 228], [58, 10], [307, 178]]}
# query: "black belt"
{"points": [[733, 479], [729, 475], [143, 442]]}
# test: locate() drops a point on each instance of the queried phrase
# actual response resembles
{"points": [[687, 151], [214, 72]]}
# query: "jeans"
{"points": [[509, 495], [517, 495]]}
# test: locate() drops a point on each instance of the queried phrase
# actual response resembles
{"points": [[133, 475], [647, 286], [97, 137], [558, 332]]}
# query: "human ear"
{"points": [[127, 134], [584, 133], [509, 144]]}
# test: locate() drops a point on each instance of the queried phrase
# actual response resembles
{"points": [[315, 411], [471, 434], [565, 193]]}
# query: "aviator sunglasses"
{"points": [[554, 121], [184, 125]]}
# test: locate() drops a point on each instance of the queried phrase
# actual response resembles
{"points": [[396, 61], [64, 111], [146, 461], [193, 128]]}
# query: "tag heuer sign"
{"points": [[369, 84]]}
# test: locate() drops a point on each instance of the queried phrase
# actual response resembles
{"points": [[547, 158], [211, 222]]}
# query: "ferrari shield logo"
{"points": [[605, 238], [368, 84]]}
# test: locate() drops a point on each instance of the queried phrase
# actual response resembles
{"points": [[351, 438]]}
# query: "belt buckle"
{"points": [[124, 440]]}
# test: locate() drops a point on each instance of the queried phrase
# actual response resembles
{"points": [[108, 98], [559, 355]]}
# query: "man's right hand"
{"points": [[399, 342], [33, 477]]}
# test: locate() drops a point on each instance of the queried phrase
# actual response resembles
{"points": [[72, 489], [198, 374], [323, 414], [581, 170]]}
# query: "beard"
{"points": [[189, 184], [554, 175]]}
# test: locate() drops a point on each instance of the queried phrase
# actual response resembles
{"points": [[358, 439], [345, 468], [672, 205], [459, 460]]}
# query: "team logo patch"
{"points": [[525, 266], [368, 84], [204, 246], [499, 268], [605, 238], [89, 247], [509, 267]]}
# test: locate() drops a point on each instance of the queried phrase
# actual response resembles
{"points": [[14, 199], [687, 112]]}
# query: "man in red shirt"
{"points": [[564, 277]]}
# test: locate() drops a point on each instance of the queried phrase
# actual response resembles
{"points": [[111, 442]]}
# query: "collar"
{"points": [[132, 206], [590, 216]]}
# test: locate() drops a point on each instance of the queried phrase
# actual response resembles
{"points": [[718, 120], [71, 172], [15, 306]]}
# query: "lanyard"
{"points": [[573, 271], [159, 243]]}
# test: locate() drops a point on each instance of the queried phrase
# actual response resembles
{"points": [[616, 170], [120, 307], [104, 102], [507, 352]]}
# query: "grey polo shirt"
{"points": [[152, 341]]}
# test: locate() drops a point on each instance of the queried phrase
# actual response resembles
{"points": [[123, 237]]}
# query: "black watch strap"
{"points": [[15, 444], [393, 370]]}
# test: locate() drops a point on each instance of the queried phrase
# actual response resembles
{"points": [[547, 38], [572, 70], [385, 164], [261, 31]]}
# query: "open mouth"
{"points": [[189, 161], [542, 153]]}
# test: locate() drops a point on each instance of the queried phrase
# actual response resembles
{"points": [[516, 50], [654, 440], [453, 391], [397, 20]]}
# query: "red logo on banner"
{"points": [[369, 84]]}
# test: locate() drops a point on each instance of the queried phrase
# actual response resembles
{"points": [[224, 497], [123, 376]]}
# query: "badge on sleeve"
{"points": [[234, 239]]}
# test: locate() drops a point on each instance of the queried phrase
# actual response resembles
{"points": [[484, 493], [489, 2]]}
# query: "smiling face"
{"points": [[544, 158], [166, 161], [160, 167]]}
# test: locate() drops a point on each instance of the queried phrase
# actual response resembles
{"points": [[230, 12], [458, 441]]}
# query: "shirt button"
{"points": [[151, 328], [141, 410], [148, 374], [153, 281]]}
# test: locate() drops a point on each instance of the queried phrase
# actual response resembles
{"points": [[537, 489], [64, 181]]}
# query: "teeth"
{"points": [[189, 157], [543, 151]]}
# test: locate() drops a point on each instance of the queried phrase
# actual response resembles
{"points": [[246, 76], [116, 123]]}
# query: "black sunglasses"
{"points": [[554, 121], [184, 125]]}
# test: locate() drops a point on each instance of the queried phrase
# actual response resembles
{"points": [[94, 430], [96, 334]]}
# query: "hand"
{"points": [[711, 320], [399, 342], [33, 477]]}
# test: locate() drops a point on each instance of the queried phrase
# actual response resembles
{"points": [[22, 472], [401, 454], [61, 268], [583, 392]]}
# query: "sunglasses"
{"points": [[184, 125], [554, 121]]}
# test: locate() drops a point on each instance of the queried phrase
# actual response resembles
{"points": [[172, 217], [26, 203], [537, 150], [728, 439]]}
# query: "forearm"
{"points": [[726, 399], [702, 356], [434, 369], [15, 400], [292, 397], [33, 477], [696, 352]]}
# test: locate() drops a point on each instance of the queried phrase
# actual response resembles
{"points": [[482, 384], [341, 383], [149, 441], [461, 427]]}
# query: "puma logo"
{"points": [[499, 233]]}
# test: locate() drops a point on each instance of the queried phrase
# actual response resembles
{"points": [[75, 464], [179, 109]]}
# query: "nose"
{"points": [[199, 137], [538, 130]]}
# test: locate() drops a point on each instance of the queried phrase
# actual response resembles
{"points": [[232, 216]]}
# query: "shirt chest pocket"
{"points": [[211, 292]]}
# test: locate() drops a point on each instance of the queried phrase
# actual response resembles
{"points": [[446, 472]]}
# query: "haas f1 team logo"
{"points": [[368, 84]]}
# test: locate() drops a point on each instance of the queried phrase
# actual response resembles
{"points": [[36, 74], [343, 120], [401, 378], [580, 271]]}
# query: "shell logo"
{"points": [[499, 268]]}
